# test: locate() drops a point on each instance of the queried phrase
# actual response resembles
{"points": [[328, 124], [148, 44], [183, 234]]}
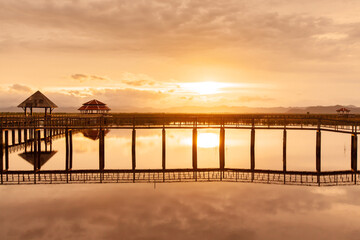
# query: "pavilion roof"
{"points": [[343, 110], [37, 100], [94, 105], [94, 102]]}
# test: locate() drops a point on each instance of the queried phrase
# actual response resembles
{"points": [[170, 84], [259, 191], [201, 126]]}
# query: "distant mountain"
{"points": [[216, 109]]}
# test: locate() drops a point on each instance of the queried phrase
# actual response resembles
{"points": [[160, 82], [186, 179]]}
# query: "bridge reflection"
{"points": [[183, 175]]}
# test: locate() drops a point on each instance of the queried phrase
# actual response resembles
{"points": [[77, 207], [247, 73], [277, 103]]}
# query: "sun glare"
{"points": [[203, 88], [205, 140]]}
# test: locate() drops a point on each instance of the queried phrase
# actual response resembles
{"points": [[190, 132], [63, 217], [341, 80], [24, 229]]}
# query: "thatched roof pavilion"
{"points": [[37, 100], [94, 106]]}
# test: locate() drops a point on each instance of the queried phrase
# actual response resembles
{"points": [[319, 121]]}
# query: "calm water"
{"points": [[185, 210]]}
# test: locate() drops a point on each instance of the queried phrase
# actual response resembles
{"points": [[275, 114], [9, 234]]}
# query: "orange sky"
{"points": [[162, 54]]}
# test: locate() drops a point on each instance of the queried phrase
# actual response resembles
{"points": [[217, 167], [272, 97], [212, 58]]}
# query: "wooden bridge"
{"points": [[42, 128]]}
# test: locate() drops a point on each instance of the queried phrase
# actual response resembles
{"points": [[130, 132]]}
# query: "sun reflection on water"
{"points": [[205, 140]]}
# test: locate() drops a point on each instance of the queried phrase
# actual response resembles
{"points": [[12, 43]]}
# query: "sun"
{"points": [[203, 88], [205, 140]]}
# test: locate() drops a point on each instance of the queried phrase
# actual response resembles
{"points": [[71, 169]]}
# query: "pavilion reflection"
{"points": [[44, 156], [93, 134]]}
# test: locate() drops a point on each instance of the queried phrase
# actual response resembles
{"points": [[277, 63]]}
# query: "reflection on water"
{"points": [[183, 210], [268, 150]]}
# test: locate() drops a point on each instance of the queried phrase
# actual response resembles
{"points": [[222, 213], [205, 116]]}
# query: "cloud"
{"points": [[254, 99], [137, 80], [20, 88], [84, 77], [170, 28]]}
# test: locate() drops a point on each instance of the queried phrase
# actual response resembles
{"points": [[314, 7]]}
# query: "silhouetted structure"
{"points": [[343, 111], [94, 106], [37, 100]]}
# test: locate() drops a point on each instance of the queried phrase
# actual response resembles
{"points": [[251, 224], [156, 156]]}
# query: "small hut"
{"points": [[37, 100], [343, 111], [94, 106]]}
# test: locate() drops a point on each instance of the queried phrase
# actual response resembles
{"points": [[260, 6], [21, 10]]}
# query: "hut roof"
{"points": [[37, 100], [94, 105]]}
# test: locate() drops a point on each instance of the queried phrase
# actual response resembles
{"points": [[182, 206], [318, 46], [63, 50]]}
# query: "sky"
{"points": [[157, 55]]}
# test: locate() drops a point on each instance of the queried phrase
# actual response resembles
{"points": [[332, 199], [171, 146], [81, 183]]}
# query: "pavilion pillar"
{"points": [[222, 148], [163, 149], [284, 149], [194, 148], [354, 146], [133, 149], [101, 150]]}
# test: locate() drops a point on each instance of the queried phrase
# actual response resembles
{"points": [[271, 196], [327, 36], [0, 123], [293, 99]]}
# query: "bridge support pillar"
{"points": [[19, 136], [101, 150], [222, 148], [38, 132], [6, 150], [252, 149], [133, 149], [194, 148], [284, 149], [1, 155], [70, 149], [163, 149], [318, 151], [67, 150], [34, 150], [354, 146], [25, 137], [13, 137]]}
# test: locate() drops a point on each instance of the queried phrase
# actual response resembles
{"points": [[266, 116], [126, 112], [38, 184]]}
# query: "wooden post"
{"points": [[67, 149], [1, 155], [13, 137], [101, 150], [222, 148], [39, 149], [25, 136], [19, 136], [6, 150], [354, 146], [35, 154], [163, 149], [318, 151], [252, 149], [284, 149], [133, 149], [70, 150], [194, 148]]}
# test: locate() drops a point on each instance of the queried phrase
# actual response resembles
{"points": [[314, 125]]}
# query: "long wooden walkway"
{"points": [[66, 125]]}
